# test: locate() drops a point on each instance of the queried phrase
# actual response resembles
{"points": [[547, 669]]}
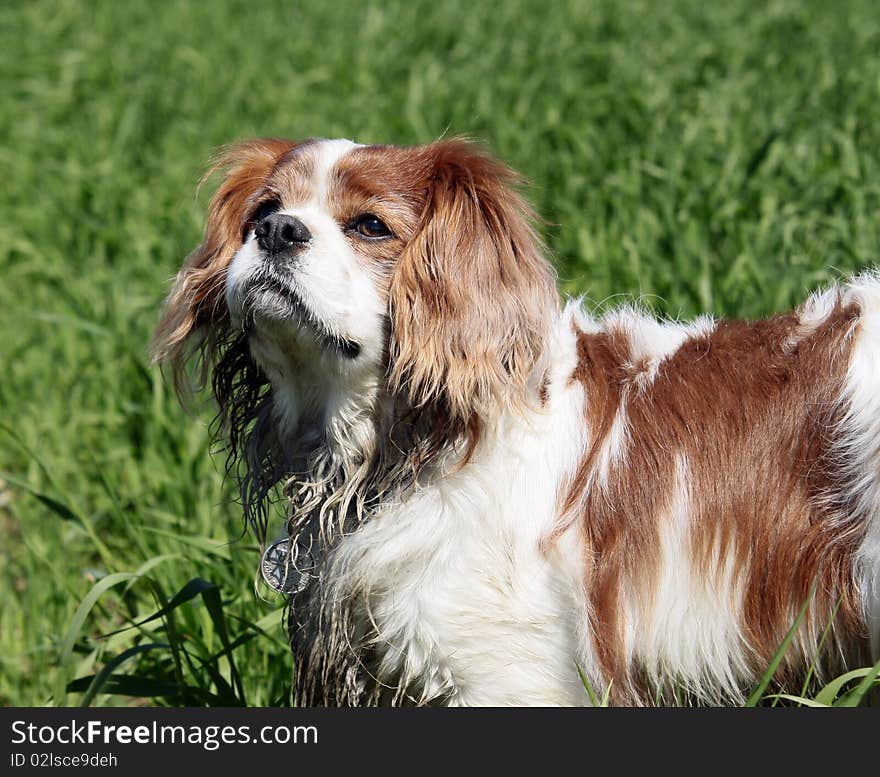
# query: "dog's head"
{"points": [[362, 282]]}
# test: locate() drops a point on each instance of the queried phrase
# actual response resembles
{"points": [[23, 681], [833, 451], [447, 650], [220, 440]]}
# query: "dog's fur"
{"points": [[493, 489]]}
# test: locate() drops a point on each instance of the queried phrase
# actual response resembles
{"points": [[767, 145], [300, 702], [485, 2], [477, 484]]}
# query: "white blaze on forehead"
{"points": [[328, 153]]}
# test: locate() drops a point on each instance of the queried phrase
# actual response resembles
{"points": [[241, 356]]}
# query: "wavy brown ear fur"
{"points": [[195, 314], [472, 294]]}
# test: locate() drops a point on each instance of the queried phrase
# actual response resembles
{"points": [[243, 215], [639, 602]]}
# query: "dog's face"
{"points": [[310, 283], [413, 270]]}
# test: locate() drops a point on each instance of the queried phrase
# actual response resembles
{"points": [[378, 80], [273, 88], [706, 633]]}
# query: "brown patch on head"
{"points": [[292, 179], [390, 183], [195, 309], [387, 181], [753, 418]]}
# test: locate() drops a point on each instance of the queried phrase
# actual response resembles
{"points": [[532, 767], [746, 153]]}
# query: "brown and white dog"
{"points": [[488, 489]]}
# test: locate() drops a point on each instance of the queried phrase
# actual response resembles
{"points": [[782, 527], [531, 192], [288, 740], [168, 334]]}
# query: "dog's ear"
{"points": [[472, 294], [195, 313]]}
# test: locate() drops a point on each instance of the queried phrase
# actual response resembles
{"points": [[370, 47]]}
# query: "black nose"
{"points": [[279, 232]]}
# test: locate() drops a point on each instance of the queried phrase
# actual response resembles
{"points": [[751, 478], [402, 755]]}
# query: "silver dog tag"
{"points": [[281, 572]]}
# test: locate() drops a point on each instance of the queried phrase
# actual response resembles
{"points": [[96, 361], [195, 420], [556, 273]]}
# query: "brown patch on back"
{"points": [[755, 419]]}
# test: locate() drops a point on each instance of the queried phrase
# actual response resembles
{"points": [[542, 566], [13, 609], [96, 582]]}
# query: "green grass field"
{"points": [[716, 157]]}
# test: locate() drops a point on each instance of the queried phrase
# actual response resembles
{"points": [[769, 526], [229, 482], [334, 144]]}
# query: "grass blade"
{"points": [[757, 694], [594, 699], [64, 512], [855, 696], [829, 693], [799, 699], [76, 624], [101, 677]]}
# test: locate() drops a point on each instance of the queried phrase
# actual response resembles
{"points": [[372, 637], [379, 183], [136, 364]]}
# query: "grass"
{"points": [[713, 157]]}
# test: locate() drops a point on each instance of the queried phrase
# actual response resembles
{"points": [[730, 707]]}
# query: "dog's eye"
{"points": [[370, 226], [264, 209]]}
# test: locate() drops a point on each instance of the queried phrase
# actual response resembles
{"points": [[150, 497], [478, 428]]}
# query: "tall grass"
{"points": [[705, 156]]}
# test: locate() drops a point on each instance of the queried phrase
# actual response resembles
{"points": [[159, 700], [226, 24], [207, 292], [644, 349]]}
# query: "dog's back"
{"points": [[680, 493]]}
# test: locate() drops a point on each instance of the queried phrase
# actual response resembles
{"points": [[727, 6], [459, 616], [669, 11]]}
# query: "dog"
{"points": [[496, 497]]}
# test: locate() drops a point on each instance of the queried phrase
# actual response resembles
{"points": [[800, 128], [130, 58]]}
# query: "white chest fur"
{"points": [[464, 602], [464, 608]]}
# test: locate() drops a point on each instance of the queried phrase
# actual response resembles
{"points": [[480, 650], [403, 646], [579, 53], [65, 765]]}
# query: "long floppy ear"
{"points": [[195, 313], [472, 295]]}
